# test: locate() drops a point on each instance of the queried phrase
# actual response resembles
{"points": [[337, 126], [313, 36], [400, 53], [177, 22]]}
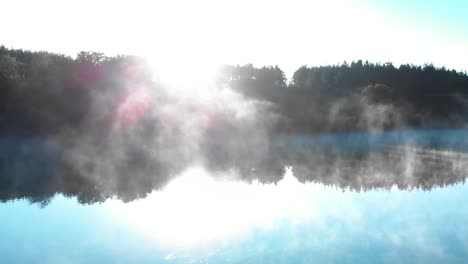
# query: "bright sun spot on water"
{"points": [[196, 208]]}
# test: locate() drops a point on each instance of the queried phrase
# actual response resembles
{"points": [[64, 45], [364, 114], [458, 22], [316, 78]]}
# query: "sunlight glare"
{"points": [[197, 208], [190, 76]]}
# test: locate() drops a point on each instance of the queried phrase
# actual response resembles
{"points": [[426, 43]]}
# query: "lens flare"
{"points": [[131, 106]]}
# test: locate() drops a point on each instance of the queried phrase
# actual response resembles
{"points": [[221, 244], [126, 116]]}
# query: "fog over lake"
{"points": [[379, 197], [161, 158]]}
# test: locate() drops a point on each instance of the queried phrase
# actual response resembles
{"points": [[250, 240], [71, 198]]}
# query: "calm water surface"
{"points": [[197, 219]]}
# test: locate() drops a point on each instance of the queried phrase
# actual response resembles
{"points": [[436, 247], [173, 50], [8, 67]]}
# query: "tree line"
{"points": [[357, 96], [42, 91], [95, 126]]}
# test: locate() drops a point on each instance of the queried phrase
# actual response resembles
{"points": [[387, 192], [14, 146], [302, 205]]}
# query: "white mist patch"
{"points": [[196, 208]]}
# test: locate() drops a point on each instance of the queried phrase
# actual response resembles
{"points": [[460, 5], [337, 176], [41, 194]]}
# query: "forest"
{"points": [[44, 92], [95, 126], [357, 96]]}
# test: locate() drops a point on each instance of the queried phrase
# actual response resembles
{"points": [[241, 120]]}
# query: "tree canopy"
{"points": [[95, 126], [424, 96]]}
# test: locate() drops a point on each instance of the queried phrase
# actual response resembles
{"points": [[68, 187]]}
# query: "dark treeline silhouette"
{"points": [[96, 126], [357, 96]]}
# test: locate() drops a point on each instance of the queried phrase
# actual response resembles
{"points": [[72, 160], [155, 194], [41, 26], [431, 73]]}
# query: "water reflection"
{"points": [[196, 208], [37, 169], [223, 221]]}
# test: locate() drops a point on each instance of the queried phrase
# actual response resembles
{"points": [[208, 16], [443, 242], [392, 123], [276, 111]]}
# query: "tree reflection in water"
{"points": [[36, 170]]}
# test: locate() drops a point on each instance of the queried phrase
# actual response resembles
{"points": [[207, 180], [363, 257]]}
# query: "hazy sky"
{"points": [[207, 33]]}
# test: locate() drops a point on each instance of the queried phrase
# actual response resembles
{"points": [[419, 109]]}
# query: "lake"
{"points": [[404, 204]]}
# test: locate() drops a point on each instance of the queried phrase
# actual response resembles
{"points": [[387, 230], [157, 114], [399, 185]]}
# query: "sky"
{"points": [[204, 34]]}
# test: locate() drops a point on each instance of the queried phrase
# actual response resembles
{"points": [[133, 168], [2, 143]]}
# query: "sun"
{"points": [[190, 74]]}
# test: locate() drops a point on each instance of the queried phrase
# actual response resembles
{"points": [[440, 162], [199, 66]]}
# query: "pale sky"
{"points": [[203, 34]]}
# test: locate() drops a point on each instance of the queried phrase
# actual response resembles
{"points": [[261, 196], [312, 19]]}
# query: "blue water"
{"points": [[348, 227], [451, 139], [310, 223]]}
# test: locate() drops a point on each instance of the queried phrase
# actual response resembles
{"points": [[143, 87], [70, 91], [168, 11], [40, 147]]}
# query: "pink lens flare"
{"points": [[131, 106]]}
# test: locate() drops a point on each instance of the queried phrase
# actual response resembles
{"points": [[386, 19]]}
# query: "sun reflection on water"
{"points": [[197, 209]]}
